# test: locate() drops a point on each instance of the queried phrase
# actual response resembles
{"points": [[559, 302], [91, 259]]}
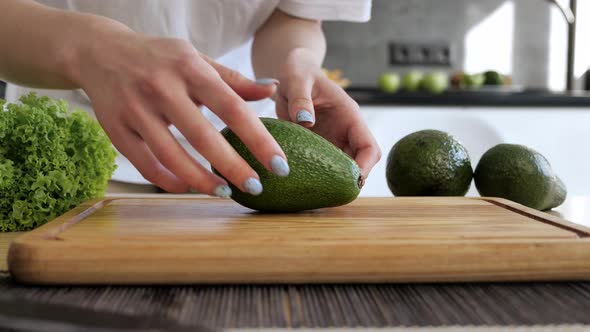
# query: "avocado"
{"points": [[559, 194], [520, 174], [492, 77], [428, 163], [321, 175]]}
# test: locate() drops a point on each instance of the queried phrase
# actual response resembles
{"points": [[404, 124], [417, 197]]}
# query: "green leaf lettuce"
{"points": [[51, 159]]}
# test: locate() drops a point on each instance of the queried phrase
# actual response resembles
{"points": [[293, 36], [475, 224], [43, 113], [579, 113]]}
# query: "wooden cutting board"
{"points": [[207, 240]]}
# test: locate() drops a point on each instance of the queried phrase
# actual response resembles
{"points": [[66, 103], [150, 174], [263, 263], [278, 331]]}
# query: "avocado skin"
{"points": [[428, 163], [321, 175], [520, 174], [559, 194]]}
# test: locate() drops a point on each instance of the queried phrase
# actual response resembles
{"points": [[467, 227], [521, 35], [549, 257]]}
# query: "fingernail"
{"points": [[253, 186], [279, 165], [223, 191], [266, 81], [304, 116]]}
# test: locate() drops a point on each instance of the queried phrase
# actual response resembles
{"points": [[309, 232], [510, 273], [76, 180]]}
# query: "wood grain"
{"points": [[206, 240], [5, 239]]}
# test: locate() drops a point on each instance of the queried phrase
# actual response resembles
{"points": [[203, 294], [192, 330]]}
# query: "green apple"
{"points": [[412, 80], [389, 82], [474, 81], [435, 82]]}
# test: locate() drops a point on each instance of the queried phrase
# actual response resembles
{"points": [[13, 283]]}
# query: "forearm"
{"points": [[281, 36], [41, 44]]}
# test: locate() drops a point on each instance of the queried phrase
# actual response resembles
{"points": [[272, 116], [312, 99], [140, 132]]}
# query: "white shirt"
{"points": [[222, 29]]}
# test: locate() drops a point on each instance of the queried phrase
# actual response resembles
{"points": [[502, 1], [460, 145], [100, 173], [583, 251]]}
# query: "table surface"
{"points": [[239, 306]]}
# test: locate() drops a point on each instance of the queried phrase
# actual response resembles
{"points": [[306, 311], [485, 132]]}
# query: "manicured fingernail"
{"points": [[279, 165], [266, 81], [304, 116], [223, 191], [253, 186]]}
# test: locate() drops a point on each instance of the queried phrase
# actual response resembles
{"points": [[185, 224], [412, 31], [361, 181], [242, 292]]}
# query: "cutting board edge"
{"points": [[541, 216], [555, 260], [52, 229]]}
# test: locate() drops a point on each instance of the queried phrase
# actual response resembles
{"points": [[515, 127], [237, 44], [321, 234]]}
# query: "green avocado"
{"points": [[321, 175], [428, 163], [520, 174], [559, 194], [492, 77]]}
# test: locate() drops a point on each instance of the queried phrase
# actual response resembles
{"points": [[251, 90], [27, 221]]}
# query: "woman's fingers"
{"points": [[299, 98], [150, 83], [244, 87], [135, 149], [366, 151], [113, 120], [282, 108], [211, 145], [212, 91], [170, 153]]}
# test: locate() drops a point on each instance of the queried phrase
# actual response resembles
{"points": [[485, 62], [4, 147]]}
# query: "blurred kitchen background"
{"points": [[526, 39], [531, 42]]}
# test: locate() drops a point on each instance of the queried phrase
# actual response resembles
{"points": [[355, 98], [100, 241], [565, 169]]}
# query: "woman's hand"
{"points": [[308, 97], [140, 85]]}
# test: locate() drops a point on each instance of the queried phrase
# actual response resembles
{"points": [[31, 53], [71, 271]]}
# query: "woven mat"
{"points": [[422, 305], [552, 328]]}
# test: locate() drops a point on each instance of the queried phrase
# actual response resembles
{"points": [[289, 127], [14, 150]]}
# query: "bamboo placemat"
{"points": [[552, 328], [322, 306]]}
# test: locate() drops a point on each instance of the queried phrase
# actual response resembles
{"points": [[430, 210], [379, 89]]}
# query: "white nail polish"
{"points": [[304, 116], [223, 191], [253, 186], [279, 165]]}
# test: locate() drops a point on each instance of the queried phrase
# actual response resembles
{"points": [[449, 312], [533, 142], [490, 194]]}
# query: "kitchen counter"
{"points": [[500, 98]]}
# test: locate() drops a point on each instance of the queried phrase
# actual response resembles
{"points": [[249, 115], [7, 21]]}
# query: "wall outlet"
{"points": [[420, 53]]}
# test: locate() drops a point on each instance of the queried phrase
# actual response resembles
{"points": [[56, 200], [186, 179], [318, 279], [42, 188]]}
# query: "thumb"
{"points": [[300, 107], [244, 87]]}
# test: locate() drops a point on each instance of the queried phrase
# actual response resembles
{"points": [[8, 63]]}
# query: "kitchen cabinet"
{"points": [[561, 134]]}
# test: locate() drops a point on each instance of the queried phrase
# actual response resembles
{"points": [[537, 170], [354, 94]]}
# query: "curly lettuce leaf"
{"points": [[51, 159]]}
